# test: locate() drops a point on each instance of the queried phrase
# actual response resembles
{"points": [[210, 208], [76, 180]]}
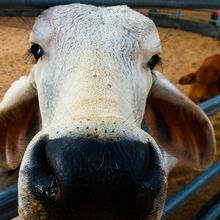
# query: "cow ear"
{"points": [[188, 79], [19, 121], [178, 125]]}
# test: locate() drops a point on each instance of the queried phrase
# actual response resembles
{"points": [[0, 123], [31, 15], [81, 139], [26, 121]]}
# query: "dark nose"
{"points": [[75, 177], [201, 100]]}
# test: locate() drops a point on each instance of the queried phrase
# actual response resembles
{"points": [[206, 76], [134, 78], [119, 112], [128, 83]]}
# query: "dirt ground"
{"points": [[182, 53]]}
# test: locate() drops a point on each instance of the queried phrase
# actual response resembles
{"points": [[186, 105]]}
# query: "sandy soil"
{"points": [[182, 53]]}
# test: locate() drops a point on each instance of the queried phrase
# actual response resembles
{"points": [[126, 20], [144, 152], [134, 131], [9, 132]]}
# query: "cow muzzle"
{"points": [[80, 178]]}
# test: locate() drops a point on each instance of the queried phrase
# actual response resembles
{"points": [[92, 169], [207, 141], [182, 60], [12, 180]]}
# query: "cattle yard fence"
{"points": [[197, 16], [133, 3], [208, 16], [202, 21], [171, 13]]}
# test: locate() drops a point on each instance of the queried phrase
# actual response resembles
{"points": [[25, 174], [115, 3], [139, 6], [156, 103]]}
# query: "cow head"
{"points": [[204, 82], [75, 122]]}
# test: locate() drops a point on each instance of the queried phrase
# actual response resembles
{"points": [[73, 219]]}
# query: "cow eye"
{"points": [[154, 60], [37, 51]]}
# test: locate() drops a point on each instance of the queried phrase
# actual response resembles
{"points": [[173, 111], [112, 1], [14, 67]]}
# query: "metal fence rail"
{"points": [[211, 106], [211, 210], [210, 27], [132, 3], [9, 202], [196, 15], [190, 191]]}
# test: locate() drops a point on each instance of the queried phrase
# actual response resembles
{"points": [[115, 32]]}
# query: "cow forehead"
{"points": [[76, 22], [88, 48]]}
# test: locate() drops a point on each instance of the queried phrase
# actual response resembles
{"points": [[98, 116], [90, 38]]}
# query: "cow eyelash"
{"points": [[36, 50], [154, 60]]}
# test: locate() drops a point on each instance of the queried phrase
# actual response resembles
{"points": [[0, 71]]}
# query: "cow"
{"points": [[205, 81], [93, 127]]}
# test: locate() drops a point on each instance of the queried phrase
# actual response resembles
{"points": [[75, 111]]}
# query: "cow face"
{"points": [[205, 82], [75, 123]]}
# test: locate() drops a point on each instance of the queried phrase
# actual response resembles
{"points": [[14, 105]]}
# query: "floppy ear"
{"points": [[188, 79], [19, 121], [178, 125]]}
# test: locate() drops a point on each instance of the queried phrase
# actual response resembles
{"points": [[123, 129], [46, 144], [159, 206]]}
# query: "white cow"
{"points": [[75, 122]]}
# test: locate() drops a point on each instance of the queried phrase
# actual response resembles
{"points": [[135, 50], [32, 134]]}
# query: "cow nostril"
{"points": [[41, 179], [52, 190]]}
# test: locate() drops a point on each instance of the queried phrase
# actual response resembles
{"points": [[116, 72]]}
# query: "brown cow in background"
{"points": [[204, 82]]}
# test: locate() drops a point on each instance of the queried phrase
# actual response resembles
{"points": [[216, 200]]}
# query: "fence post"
{"points": [[178, 13]]}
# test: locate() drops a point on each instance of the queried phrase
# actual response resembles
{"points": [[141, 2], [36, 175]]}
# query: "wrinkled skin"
{"points": [[92, 125], [204, 82]]}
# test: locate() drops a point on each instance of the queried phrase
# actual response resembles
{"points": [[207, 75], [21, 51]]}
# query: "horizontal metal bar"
{"points": [[132, 3], [190, 190], [205, 29], [9, 202], [204, 10], [211, 106], [213, 213], [211, 210], [181, 17]]}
